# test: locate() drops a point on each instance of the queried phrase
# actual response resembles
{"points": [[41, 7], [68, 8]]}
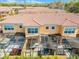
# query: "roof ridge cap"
{"points": [[36, 22]]}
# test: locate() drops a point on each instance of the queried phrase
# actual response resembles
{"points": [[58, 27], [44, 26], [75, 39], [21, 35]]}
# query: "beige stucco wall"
{"points": [[43, 30], [77, 30], [30, 35], [16, 29], [69, 35]]}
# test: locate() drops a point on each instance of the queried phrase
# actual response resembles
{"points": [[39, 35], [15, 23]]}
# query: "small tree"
{"points": [[72, 7]]}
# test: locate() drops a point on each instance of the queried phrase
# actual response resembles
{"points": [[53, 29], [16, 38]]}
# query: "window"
{"points": [[32, 30], [47, 27], [53, 27], [20, 26], [44, 39], [69, 30], [8, 27]]}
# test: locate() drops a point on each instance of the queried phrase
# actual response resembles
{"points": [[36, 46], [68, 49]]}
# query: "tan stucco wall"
{"points": [[43, 30], [16, 29], [69, 35], [77, 30], [27, 34]]}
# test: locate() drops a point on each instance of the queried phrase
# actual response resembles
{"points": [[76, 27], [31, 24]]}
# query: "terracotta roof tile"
{"points": [[25, 20], [37, 19]]}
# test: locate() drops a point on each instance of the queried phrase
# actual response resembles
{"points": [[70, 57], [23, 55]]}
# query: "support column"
{"points": [[24, 47], [61, 41], [39, 41]]}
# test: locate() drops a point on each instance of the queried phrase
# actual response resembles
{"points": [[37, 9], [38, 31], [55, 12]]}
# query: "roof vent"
{"points": [[56, 12], [66, 19], [77, 14]]}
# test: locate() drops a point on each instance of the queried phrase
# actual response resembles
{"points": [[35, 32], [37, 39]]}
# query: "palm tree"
{"points": [[74, 1], [24, 3]]}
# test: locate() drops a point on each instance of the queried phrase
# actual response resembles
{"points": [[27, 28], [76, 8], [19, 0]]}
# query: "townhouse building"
{"points": [[42, 29]]}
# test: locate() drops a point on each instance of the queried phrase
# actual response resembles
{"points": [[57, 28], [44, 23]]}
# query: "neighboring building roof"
{"points": [[4, 9], [37, 19], [40, 10], [7, 9]]}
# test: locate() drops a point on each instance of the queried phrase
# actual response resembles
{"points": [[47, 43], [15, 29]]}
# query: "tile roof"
{"points": [[7, 9], [38, 10], [72, 20], [4, 9], [64, 19], [22, 19], [48, 19], [37, 19]]}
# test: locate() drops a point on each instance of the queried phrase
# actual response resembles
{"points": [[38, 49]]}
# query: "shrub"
{"points": [[6, 57]]}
